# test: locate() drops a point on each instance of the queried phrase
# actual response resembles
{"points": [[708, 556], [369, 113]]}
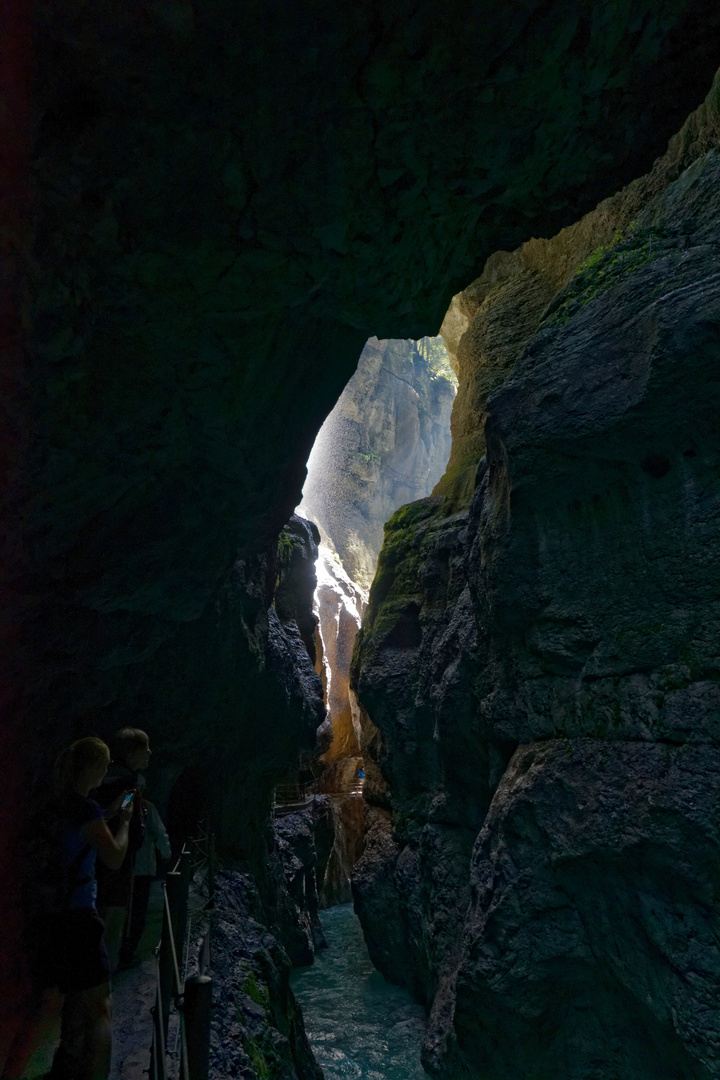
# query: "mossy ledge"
{"points": [[396, 588], [546, 281]]}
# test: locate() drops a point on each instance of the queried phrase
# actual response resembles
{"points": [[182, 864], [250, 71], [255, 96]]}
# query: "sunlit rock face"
{"points": [[385, 443], [339, 604], [540, 658]]}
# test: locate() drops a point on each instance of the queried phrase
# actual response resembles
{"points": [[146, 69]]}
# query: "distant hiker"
{"points": [[67, 950], [156, 839], [131, 753]]}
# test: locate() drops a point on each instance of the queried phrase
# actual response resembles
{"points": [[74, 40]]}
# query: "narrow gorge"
{"points": [[386, 441], [232, 232]]}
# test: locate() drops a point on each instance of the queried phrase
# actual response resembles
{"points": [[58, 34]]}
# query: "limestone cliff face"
{"points": [[385, 443], [565, 566], [386, 440], [339, 604]]}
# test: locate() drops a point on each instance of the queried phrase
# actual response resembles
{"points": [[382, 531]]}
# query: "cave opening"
{"points": [[385, 444]]}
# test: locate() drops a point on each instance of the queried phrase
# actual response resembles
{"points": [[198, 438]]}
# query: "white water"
{"points": [[360, 1027]]}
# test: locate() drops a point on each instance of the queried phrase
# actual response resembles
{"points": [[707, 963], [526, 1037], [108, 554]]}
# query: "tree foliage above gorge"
{"points": [[432, 350]]}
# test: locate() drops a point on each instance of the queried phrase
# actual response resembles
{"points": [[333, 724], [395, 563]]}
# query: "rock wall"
{"points": [[339, 604], [540, 657], [304, 842], [385, 443], [257, 1028], [207, 208]]}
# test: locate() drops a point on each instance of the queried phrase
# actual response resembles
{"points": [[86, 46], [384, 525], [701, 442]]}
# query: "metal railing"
{"points": [[202, 851], [287, 797], [191, 998], [294, 794]]}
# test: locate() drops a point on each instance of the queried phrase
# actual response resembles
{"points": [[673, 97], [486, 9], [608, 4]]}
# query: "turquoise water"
{"points": [[360, 1027]]}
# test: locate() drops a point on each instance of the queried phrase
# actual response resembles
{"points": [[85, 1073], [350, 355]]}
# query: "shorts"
{"points": [[68, 951]]}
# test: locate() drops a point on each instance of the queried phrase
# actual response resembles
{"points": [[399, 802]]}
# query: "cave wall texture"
{"points": [[207, 209], [540, 656]]}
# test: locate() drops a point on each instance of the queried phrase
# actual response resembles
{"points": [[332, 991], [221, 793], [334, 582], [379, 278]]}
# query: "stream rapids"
{"points": [[360, 1027]]}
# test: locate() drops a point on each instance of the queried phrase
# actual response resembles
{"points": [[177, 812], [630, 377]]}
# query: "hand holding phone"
{"points": [[127, 800]]}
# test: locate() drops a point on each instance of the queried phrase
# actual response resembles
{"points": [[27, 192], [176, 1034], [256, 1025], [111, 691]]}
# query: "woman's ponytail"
{"points": [[73, 761]]}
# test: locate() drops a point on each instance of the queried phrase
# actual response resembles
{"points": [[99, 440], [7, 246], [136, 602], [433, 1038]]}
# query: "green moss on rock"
{"points": [[258, 994], [257, 1059], [397, 577], [605, 268]]}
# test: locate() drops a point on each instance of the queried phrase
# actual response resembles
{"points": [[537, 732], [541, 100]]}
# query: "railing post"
{"points": [[180, 912], [211, 869], [204, 955], [197, 1010], [158, 1066], [166, 963]]}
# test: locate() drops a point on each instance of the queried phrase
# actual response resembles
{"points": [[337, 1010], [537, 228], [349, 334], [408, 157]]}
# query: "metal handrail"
{"points": [[158, 1065], [173, 950], [299, 795], [292, 793], [192, 997]]}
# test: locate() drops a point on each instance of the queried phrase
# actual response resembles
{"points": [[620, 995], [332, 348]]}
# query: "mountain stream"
{"points": [[360, 1026]]}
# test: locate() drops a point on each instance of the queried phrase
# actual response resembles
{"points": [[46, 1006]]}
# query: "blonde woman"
{"points": [[75, 959], [131, 753]]}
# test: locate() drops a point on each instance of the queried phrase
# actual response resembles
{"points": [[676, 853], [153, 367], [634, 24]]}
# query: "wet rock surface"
{"points": [[573, 584], [591, 938], [304, 841], [257, 1028]]}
